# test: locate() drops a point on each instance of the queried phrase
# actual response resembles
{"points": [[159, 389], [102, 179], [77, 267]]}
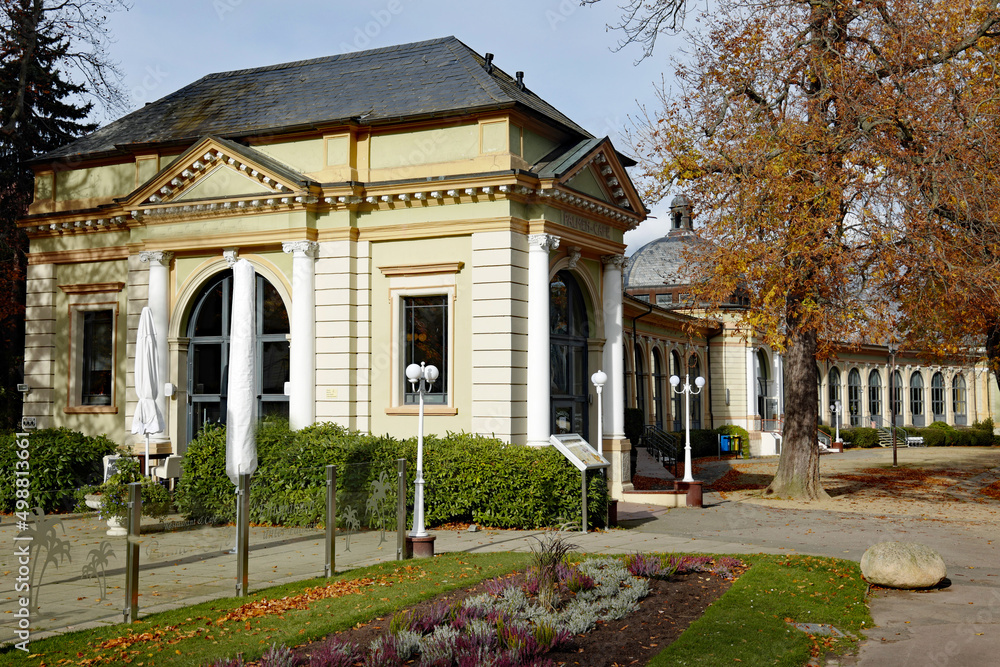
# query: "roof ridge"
{"points": [[325, 59]]}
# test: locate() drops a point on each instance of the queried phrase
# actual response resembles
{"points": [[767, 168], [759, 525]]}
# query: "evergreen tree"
{"points": [[41, 109]]}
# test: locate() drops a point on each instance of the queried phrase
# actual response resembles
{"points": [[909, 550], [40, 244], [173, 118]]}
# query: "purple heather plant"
{"points": [[337, 653], [229, 662], [644, 565], [573, 579], [688, 564], [498, 585], [383, 654]]}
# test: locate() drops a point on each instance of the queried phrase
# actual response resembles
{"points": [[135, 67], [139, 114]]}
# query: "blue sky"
{"points": [[565, 50]]}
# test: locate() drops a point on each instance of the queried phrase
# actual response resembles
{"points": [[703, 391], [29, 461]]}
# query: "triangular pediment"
{"points": [[218, 169], [221, 182], [587, 182], [594, 168]]}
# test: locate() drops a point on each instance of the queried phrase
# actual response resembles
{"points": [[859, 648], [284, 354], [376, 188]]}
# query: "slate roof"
{"points": [[660, 262], [424, 79]]}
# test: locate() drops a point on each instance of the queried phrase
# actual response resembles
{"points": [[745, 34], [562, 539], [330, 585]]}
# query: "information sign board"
{"points": [[578, 451]]}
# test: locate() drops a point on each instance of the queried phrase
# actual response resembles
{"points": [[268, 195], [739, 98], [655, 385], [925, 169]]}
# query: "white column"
{"points": [[751, 386], [302, 356], [614, 348], [159, 304], [539, 364]]}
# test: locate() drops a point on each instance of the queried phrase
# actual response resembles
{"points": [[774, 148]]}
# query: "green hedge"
{"points": [[863, 437], [59, 461], [468, 478]]}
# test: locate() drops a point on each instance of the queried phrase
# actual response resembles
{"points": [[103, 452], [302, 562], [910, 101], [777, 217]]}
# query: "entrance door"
{"points": [[568, 334], [208, 353]]}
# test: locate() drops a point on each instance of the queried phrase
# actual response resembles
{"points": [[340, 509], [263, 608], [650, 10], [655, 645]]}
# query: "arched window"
{"points": [[917, 399], [819, 393], [763, 383], [959, 400], [694, 371], [875, 397], [568, 332], [208, 352], [854, 396], [676, 400], [937, 398], [640, 382], [658, 385], [896, 398], [834, 387]]}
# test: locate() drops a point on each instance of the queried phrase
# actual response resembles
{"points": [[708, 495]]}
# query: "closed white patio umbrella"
{"points": [[147, 418], [241, 412]]}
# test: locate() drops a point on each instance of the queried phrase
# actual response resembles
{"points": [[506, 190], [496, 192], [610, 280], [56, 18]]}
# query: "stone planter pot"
{"points": [[116, 527], [93, 501]]}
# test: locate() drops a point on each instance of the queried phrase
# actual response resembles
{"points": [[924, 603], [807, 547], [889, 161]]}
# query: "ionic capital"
{"points": [[615, 261]]}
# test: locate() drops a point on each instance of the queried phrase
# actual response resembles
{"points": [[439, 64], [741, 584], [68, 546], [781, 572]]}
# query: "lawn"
{"points": [[747, 625]]}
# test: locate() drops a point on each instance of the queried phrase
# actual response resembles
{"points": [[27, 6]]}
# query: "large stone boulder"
{"points": [[903, 565]]}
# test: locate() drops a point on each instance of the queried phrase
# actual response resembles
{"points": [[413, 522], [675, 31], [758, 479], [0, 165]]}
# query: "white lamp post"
{"points": [[835, 410], [421, 378], [688, 392], [599, 379]]}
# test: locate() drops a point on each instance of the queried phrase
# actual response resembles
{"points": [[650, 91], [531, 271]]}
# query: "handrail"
{"points": [[666, 445]]}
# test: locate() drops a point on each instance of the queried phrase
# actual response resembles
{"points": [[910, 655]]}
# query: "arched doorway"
{"points": [[568, 333], [208, 352]]}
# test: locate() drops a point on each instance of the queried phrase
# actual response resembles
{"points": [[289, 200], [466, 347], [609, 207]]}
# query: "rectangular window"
{"points": [[97, 356], [425, 339], [664, 299], [642, 297]]}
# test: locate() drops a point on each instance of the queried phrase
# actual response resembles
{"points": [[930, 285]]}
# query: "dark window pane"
{"points": [[207, 368], [209, 322], [426, 340], [98, 343], [274, 409], [207, 413], [274, 317], [274, 367], [559, 307]]}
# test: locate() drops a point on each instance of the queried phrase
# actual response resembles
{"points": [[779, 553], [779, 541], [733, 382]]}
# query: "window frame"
{"points": [[938, 397], [74, 383], [874, 394], [916, 397], [854, 397], [402, 286], [960, 397]]}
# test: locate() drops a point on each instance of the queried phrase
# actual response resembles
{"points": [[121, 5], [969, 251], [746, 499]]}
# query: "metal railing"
{"points": [[665, 446], [772, 425]]}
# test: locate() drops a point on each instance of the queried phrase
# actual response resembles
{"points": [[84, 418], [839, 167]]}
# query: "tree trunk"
{"points": [[798, 468]]}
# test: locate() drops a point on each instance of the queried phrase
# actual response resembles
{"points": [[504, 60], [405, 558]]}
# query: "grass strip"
{"points": [[749, 625], [198, 634]]}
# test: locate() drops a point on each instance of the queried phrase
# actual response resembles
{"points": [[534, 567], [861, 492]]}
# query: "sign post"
{"points": [[579, 452]]}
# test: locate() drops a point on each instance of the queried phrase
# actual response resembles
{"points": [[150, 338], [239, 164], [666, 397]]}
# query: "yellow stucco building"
{"points": [[406, 204]]}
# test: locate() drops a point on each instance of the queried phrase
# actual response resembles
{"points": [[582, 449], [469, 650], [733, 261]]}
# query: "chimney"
{"points": [[520, 80], [489, 63]]}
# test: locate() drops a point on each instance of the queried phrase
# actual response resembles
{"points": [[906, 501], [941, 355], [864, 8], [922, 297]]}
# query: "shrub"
{"points": [[864, 437], [933, 436], [468, 477], [634, 425], [60, 461], [941, 425]]}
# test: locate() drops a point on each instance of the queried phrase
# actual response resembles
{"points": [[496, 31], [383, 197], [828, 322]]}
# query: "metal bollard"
{"points": [[133, 520], [242, 535], [331, 521], [401, 509]]}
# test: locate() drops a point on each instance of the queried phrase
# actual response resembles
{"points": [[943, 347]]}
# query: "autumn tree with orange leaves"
{"points": [[835, 152]]}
